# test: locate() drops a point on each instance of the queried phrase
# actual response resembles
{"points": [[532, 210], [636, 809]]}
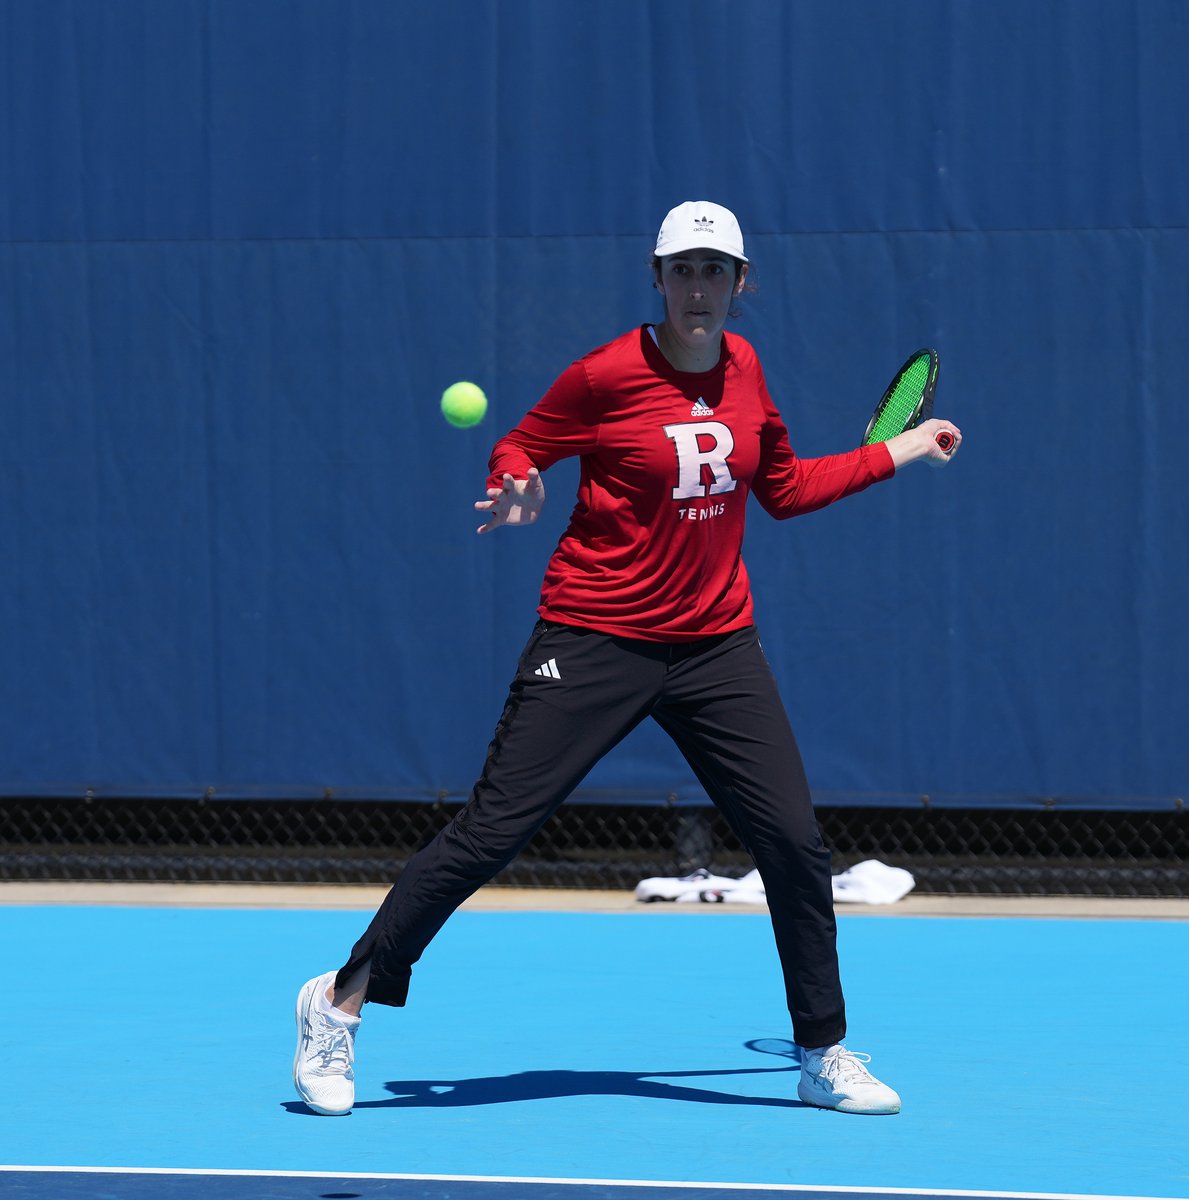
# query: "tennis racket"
{"points": [[908, 401]]}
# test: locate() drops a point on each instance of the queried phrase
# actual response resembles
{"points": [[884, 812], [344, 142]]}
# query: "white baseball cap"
{"points": [[698, 224]]}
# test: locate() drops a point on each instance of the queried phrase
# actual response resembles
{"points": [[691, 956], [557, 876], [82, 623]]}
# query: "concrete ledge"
{"points": [[367, 899]]}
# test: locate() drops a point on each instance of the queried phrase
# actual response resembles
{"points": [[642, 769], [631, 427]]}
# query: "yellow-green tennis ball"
{"points": [[464, 405]]}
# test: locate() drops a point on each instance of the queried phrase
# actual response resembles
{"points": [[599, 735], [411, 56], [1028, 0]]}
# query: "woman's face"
{"points": [[699, 286]]}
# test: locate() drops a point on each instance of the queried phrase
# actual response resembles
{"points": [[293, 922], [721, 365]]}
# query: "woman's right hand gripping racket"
{"points": [[908, 401]]}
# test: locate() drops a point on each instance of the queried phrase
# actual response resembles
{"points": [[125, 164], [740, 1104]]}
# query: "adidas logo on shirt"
{"points": [[549, 670], [701, 409]]}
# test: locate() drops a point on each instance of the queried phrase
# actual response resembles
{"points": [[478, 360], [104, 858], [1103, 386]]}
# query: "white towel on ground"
{"points": [[867, 882], [872, 882]]}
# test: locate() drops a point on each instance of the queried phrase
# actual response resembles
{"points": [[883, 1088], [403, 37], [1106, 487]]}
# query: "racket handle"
{"points": [[945, 440]]}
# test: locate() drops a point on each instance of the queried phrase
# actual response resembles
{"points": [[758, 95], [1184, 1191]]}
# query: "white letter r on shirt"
{"points": [[691, 458]]}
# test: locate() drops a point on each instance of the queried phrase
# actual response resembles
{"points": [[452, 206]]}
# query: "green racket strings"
{"points": [[901, 405]]}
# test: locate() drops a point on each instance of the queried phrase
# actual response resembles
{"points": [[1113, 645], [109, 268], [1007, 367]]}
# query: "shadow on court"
{"points": [[551, 1085]]}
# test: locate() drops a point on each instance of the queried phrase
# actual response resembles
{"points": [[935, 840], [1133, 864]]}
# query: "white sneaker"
{"points": [[683, 889], [838, 1079], [324, 1065]]}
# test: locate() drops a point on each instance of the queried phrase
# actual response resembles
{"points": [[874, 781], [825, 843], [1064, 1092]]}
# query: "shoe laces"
{"points": [[334, 1046], [846, 1066]]}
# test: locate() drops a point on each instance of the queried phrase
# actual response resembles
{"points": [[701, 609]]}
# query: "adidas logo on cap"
{"points": [[700, 224]]}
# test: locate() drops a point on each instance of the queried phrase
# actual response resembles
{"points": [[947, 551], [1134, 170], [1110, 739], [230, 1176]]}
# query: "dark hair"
{"points": [[748, 286]]}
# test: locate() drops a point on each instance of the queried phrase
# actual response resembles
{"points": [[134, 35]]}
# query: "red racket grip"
{"points": [[945, 440]]}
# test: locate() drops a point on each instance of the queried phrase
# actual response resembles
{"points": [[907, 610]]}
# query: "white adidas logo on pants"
{"points": [[549, 670]]}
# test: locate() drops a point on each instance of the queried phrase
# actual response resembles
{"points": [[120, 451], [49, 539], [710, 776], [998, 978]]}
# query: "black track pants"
{"points": [[717, 699]]}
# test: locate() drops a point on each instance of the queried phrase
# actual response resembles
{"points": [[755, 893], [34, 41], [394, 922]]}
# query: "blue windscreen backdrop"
{"points": [[245, 244]]}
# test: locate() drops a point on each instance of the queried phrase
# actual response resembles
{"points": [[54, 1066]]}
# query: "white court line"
{"points": [[638, 1183]]}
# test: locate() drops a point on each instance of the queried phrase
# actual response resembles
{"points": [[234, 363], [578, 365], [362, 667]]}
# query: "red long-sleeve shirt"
{"points": [[668, 458]]}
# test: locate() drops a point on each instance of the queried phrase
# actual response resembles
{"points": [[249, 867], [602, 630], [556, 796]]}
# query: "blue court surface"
{"points": [[569, 1056]]}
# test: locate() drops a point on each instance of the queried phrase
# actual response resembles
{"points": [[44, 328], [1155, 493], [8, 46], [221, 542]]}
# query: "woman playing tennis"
{"points": [[646, 611]]}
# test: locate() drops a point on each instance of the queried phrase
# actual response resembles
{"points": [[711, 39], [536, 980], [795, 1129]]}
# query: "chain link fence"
{"points": [[1043, 850]]}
